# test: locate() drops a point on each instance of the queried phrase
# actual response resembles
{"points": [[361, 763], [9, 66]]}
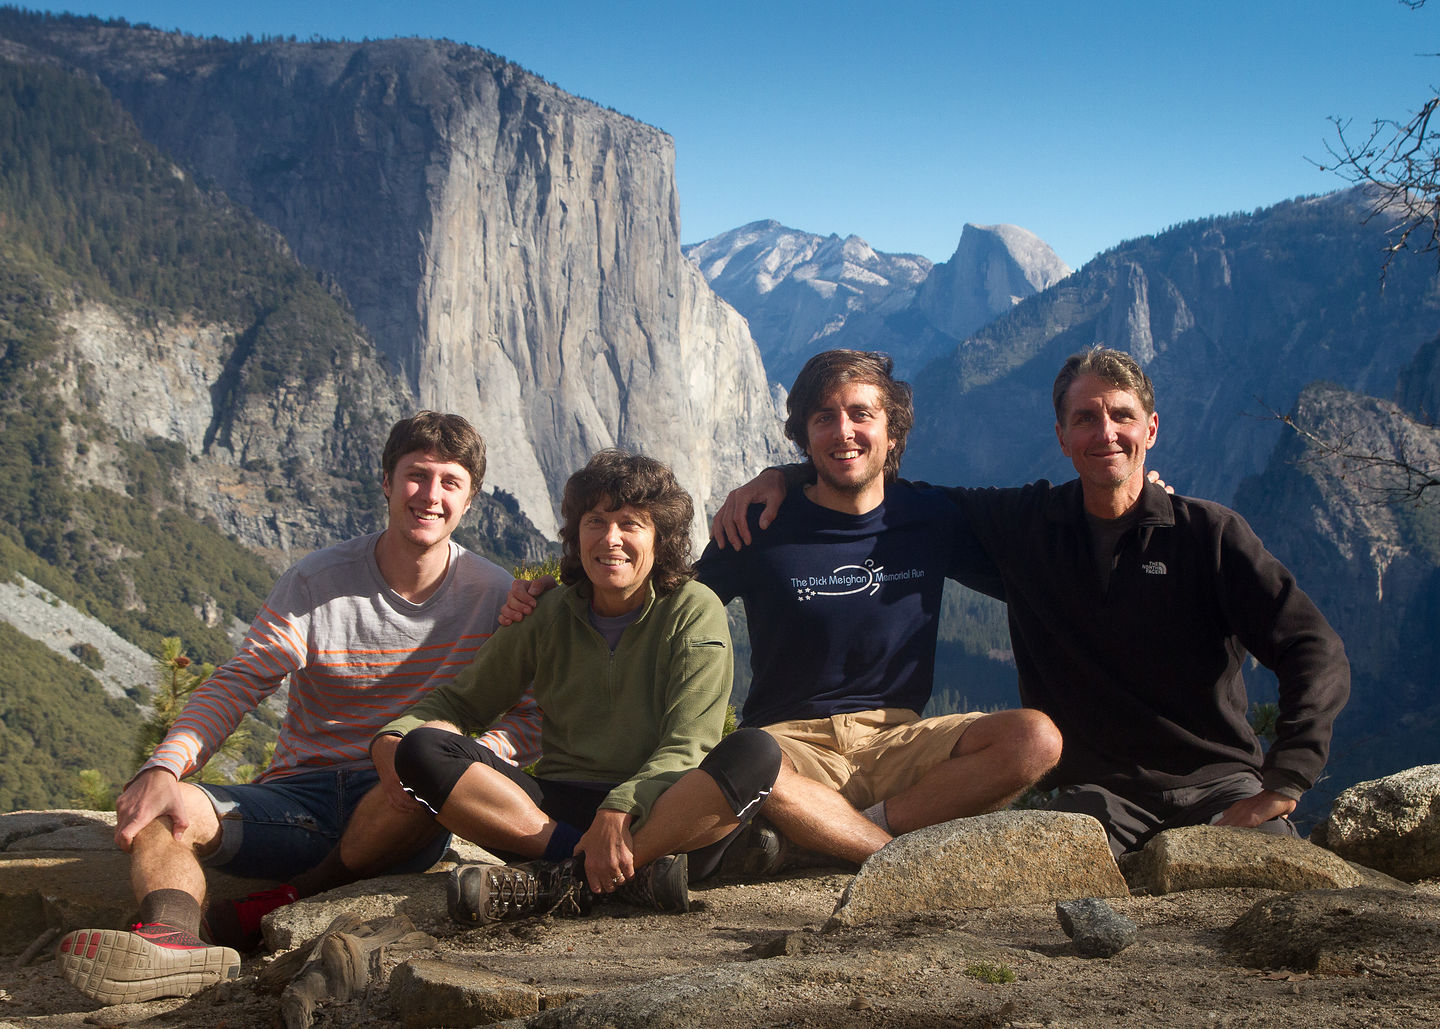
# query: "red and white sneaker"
{"points": [[151, 960]]}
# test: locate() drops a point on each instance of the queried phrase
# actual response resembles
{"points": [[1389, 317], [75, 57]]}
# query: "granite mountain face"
{"points": [[798, 290], [994, 267], [512, 250], [804, 293]]}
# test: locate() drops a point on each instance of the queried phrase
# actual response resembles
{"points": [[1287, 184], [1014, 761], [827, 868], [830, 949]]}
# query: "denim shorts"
{"points": [[278, 829]]}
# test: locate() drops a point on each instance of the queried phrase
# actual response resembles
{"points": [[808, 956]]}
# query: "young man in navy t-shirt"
{"points": [[842, 594]]}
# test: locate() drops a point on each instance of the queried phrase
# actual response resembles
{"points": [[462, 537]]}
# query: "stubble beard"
{"points": [[848, 487]]}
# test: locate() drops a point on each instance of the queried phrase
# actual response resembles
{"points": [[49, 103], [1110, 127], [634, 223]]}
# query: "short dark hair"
{"points": [[448, 436], [612, 479], [826, 372], [1116, 367]]}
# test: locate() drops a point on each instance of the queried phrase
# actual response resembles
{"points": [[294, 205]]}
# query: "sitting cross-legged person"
{"points": [[637, 794]]}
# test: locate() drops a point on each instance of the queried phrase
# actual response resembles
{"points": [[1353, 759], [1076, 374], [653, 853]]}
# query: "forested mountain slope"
{"points": [[183, 406]]}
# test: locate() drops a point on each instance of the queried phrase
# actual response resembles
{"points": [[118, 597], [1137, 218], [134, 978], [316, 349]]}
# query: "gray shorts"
{"points": [[1130, 821]]}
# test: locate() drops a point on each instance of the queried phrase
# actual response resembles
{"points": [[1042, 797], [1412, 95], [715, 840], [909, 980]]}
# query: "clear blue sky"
{"points": [[1087, 123]]}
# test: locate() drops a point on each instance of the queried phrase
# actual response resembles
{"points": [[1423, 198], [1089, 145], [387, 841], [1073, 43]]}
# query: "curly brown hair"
{"points": [[448, 436], [616, 478], [826, 372]]}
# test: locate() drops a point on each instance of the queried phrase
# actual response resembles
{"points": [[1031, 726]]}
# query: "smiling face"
{"points": [[617, 552], [848, 439], [1105, 431], [427, 497]]}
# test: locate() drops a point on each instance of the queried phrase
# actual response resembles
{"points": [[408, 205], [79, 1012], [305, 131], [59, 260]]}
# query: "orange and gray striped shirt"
{"points": [[354, 654]]}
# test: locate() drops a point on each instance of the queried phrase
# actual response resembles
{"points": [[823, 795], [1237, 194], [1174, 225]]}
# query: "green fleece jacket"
{"points": [[641, 716]]}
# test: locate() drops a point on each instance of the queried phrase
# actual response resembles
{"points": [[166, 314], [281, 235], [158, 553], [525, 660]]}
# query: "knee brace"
{"points": [[430, 762], [744, 765]]}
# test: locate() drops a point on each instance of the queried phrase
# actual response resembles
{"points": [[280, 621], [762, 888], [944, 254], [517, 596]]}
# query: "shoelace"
{"points": [[513, 889], [569, 894]]}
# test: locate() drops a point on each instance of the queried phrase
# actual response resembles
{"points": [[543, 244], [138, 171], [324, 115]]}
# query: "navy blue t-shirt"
{"points": [[843, 609]]}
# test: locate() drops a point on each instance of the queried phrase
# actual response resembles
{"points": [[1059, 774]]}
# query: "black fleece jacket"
{"points": [[1144, 679]]}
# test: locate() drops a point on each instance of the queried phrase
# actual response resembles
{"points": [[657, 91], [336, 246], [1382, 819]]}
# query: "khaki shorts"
{"points": [[870, 756]]}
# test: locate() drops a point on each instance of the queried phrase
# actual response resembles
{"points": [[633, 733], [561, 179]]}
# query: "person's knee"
{"points": [[202, 829], [157, 834], [376, 814], [746, 748], [429, 762], [1029, 736], [788, 783], [1041, 740], [745, 765], [157, 842]]}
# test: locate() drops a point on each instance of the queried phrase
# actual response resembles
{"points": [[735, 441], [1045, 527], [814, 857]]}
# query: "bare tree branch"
{"points": [[1393, 479], [1400, 165]]}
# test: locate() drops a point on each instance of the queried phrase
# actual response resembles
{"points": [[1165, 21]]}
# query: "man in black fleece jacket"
{"points": [[1131, 614]]}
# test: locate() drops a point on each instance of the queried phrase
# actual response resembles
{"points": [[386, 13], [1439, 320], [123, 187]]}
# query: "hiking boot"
{"points": [[757, 852], [663, 884], [151, 960], [236, 923], [482, 894]]}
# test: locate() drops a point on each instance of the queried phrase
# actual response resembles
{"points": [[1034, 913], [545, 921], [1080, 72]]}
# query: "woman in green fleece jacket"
{"points": [[631, 666]]}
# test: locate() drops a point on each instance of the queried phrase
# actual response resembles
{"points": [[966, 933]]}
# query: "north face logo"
{"points": [[1153, 567]]}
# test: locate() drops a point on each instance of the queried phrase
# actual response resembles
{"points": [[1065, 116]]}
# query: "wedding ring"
{"points": [[618, 880]]}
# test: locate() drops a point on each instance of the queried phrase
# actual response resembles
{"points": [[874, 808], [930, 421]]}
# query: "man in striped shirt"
{"points": [[359, 631]]}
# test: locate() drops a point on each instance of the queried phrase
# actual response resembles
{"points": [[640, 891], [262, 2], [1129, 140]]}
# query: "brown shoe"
{"points": [[481, 894], [663, 884]]}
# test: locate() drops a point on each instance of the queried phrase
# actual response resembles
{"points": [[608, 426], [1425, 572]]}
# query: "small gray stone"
{"points": [[1097, 929]]}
